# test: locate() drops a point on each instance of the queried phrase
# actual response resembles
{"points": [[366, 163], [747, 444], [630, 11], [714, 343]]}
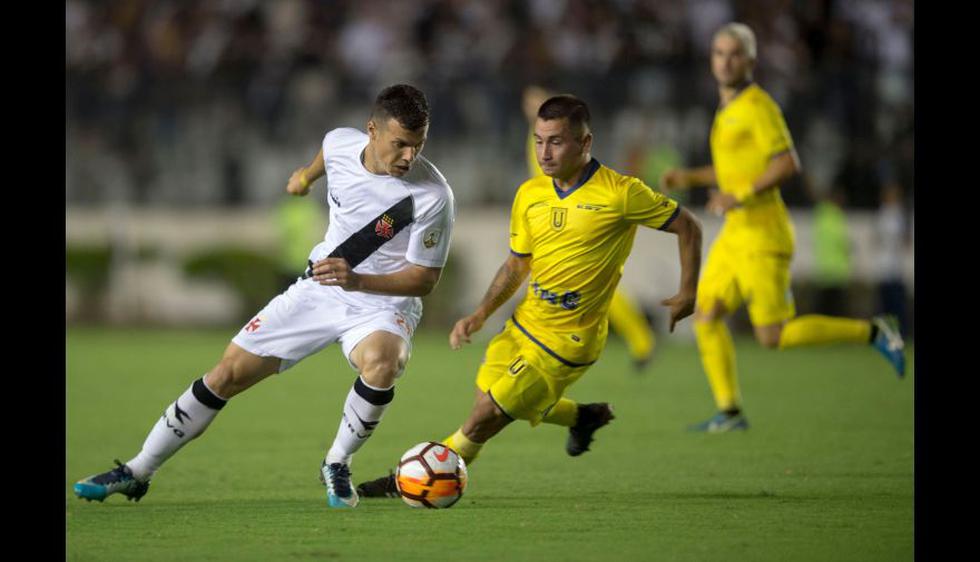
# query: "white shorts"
{"points": [[307, 317]]}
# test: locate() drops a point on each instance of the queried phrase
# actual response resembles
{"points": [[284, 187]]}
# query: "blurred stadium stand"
{"points": [[200, 109]]}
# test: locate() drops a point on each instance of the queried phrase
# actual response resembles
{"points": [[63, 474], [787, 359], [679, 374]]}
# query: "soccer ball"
{"points": [[431, 475]]}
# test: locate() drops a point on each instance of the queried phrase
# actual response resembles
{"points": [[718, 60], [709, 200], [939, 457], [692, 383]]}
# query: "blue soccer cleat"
{"points": [[721, 423], [340, 493], [889, 342], [119, 480]]}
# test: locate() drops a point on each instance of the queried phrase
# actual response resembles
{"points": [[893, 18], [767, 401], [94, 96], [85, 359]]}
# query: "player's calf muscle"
{"points": [[237, 371], [485, 421], [480, 431]]}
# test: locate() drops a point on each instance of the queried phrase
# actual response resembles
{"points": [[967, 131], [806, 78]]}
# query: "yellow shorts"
{"points": [[732, 275], [522, 378]]}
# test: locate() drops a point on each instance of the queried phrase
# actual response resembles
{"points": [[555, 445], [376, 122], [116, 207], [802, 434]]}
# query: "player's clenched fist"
{"points": [[463, 329], [673, 179], [720, 202], [298, 184]]}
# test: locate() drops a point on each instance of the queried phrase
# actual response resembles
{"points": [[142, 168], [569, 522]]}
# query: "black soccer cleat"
{"points": [[590, 418], [640, 365], [383, 487]]}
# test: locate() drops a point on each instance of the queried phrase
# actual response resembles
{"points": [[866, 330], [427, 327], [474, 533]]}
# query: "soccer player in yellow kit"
{"points": [[752, 154], [571, 230], [625, 316]]}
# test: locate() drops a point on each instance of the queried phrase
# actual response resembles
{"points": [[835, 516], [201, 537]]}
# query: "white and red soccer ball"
{"points": [[431, 475]]}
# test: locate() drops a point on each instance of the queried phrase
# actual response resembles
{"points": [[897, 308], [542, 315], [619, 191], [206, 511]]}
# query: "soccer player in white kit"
{"points": [[391, 219]]}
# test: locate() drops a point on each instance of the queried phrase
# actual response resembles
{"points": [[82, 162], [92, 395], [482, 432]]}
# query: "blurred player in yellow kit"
{"points": [[752, 154], [625, 316], [571, 231]]}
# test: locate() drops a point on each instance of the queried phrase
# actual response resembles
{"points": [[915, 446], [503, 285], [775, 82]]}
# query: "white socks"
{"points": [[194, 410], [362, 411], [183, 420]]}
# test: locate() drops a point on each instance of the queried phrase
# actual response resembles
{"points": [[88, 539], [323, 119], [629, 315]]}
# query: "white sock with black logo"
{"points": [[183, 420], [362, 411]]}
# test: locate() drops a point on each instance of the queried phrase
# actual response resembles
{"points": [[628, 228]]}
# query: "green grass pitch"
{"points": [[825, 472]]}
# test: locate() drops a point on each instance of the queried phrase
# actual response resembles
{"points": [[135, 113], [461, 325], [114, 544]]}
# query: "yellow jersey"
{"points": [[578, 241], [745, 135]]}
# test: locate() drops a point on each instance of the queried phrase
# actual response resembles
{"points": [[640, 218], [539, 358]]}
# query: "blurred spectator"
{"points": [[892, 236], [831, 255], [649, 154], [301, 222], [199, 100]]}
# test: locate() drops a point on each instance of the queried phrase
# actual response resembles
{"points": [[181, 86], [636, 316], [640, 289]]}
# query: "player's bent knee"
{"points": [[769, 337], [381, 372]]}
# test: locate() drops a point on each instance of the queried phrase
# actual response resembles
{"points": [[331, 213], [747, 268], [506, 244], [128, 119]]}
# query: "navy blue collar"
{"points": [[590, 170]]}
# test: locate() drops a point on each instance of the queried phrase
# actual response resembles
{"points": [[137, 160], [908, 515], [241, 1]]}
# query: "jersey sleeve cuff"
{"points": [[519, 254], [426, 263], [667, 222]]}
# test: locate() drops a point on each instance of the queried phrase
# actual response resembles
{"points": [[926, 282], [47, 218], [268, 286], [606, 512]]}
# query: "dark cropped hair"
{"points": [[566, 106], [405, 103]]}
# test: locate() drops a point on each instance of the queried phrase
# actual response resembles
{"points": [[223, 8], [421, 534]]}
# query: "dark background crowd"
{"points": [[214, 102]]}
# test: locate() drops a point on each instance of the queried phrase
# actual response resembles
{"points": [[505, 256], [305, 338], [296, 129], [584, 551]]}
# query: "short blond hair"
{"points": [[741, 33]]}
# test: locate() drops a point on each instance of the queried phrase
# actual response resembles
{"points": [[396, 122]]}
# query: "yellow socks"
{"points": [[565, 413], [813, 329], [466, 448], [628, 321], [718, 351], [718, 358]]}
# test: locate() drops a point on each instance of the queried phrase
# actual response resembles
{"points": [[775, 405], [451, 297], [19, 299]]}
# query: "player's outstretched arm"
{"points": [[411, 281], [685, 178], [508, 279], [299, 183], [781, 167], [688, 230]]}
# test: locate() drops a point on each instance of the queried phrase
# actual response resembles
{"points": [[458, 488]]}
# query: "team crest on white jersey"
{"points": [[384, 227]]}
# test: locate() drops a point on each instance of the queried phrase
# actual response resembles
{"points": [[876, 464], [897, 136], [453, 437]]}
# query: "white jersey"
{"points": [[381, 224]]}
